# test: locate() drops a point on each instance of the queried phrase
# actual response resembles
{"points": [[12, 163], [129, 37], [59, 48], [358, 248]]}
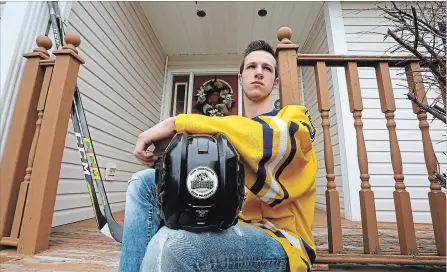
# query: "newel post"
{"points": [[286, 51], [39, 208], [21, 132]]}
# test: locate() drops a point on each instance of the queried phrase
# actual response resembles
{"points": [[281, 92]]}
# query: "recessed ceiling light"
{"points": [[201, 13], [262, 12]]}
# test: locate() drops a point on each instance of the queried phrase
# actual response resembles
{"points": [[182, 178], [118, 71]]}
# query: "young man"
{"points": [[274, 232]]}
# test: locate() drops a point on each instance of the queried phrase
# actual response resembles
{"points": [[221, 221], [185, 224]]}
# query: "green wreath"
{"points": [[207, 90]]}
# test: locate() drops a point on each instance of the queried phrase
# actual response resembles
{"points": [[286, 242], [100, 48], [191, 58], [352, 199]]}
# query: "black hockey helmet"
{"points": [[200, 183]]}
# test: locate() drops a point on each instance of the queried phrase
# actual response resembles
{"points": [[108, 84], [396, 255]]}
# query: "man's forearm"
{"points": [[170, 124]]}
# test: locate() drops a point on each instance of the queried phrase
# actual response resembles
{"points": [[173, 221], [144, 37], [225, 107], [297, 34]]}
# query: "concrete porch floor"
{"points": [[81, 247]]}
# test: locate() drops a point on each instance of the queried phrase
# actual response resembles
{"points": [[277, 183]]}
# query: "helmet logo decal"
{"points": [[202, 182]]}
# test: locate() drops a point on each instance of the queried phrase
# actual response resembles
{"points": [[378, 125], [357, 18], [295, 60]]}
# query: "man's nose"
{"points": [[259, 72]]}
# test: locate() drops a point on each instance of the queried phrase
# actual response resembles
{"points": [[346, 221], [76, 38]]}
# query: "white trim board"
{"points": [[190, 91], [163, 97], [348, 151]]}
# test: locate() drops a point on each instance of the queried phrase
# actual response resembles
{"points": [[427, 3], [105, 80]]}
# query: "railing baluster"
{"points": [[332, 196], [436, 197], [367, 205], [404, 215]]}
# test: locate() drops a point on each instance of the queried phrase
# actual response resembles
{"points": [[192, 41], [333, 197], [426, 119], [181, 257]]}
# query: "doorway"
{"points": [[188, 99]]}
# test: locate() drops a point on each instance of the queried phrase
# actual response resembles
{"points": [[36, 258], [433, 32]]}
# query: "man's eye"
{"points": [[251, 66], [268, 68]]}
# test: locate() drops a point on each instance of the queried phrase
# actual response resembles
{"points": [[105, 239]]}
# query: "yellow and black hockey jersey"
{"points": [[280, 171]]}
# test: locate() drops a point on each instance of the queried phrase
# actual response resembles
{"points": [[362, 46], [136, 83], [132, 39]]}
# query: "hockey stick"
{"points": [[111, 228], [106, 223], [100, 218]]}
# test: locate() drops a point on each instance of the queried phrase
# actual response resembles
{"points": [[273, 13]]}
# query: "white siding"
{"points": [[357, 21], [2, 6], [121, 85], [317, 44], [275, 96], [21, 23]]}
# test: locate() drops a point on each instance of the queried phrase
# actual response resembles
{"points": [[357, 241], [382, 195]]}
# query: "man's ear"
{"points": [[240, 79], [276, 83]]}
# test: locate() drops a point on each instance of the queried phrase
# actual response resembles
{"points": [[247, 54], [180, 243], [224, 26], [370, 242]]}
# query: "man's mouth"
{"points": [[257, 83]]}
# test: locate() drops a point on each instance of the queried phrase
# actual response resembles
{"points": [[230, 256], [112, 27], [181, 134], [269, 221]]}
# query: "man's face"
{"points": [[258, 75]]}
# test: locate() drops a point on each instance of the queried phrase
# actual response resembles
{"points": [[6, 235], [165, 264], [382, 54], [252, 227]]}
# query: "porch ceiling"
{"points": [[228, 26]]}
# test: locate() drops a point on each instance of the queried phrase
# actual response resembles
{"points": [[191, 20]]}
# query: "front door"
{"points": [[215, 95]]}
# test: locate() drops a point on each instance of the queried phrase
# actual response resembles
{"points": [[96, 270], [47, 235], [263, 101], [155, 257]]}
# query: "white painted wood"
{"points": [[2, 7], [21, 23], [167, 95], [121, 85], [228, 26], [222, 61], [317, 43], [345, 125], [190, 93], [358, 21], [240, 98], [164, 98]]}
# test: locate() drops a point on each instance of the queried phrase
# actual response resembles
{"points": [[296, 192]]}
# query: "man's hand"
{"points": [[158, 135]]}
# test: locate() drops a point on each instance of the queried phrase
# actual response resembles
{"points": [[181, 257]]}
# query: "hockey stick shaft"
{"points": [[56, 30], [116, 231], [100, 218]]}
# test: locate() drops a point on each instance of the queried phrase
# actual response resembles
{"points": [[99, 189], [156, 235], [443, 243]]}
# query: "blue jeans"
{"points": [[147, 247]]}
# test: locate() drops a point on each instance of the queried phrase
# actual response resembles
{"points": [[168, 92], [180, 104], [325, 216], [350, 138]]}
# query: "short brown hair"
{"points": [[259, 45]]}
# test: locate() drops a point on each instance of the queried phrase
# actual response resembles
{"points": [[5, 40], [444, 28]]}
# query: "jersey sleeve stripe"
{"points": [[292, 130], [267, 135], [274, 189]]}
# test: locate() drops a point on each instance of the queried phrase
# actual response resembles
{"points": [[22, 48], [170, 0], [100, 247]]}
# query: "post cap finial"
{"points": [[285, 35], [43, 44], [72, 41]]}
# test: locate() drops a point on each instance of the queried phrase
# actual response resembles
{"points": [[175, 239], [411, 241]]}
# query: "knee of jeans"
{"points": [[175, 248], [141, 183]]}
